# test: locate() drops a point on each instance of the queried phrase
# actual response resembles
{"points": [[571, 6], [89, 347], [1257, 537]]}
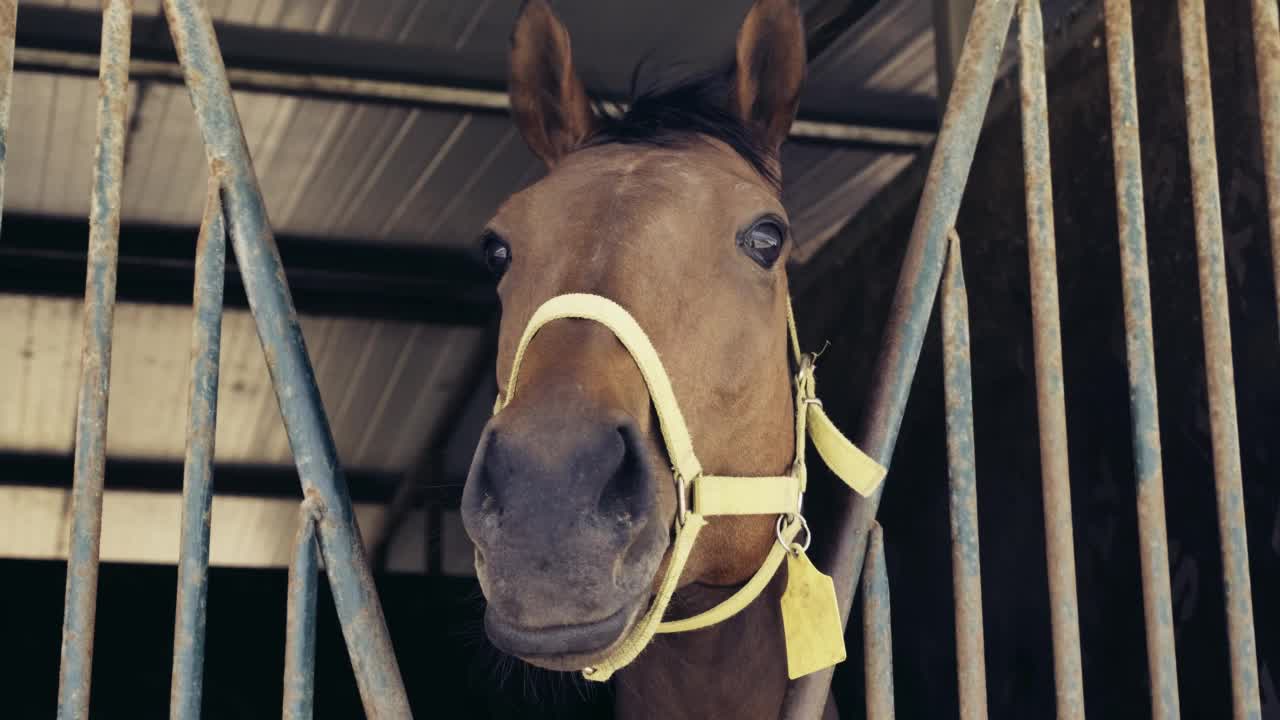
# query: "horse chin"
{"points": [[563, 648]]}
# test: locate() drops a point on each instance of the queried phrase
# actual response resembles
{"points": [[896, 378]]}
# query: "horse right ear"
{"points": [[770, 69], [548, 101]]}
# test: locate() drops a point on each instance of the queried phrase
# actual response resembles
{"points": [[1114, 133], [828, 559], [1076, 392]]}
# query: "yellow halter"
{"points": [[700, 495]]}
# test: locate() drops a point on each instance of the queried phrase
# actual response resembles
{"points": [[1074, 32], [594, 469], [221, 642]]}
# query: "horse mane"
{"points": [[678, 112]]}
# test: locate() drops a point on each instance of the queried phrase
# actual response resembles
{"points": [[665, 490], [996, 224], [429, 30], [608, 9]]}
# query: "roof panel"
{"points": [[67, 171], [365, 372], [160, 130], [429, 140], [388, 435], [28, 140], [369, 134], [392, 175], [889, 50], [308, 124], [452, 169]]}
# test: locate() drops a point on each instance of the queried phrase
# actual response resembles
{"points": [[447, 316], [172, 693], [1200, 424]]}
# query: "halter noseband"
{"points": [[700, 495]]}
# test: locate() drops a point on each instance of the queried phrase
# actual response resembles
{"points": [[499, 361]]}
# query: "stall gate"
{"points": [[932, 268]]}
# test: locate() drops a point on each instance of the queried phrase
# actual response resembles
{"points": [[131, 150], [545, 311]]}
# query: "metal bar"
{"points": [[843, 550], [8, 29], [1266, 48], [300, 633], [1042, 258], [966, 566], [877, 631], [76, 665], [361, 90], [1153, 546], [355, 597], [1219, 373], [197, 480]]}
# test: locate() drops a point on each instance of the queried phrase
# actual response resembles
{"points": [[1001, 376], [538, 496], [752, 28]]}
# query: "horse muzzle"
{"points": [[563, 510]]}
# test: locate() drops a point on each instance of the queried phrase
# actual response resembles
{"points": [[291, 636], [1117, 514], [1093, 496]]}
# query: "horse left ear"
{"points": [[770, 69], [548, 100]]}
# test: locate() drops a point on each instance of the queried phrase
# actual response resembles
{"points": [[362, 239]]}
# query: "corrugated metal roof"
{"points": [[413, 176], [368, 173]]}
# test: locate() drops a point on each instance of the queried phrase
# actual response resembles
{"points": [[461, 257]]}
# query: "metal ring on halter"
{"points": [[682, 497], [804, 527]]}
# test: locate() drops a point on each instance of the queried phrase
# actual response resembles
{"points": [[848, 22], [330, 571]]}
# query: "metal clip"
{"points": [[793, 547]]}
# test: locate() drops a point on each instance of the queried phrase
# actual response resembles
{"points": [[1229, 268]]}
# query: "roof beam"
{"points": [[47, 257], [63, 41], [262, 481]]}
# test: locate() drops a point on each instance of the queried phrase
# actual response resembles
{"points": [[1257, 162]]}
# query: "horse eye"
{"points": [[762, 242], [497, 254]]}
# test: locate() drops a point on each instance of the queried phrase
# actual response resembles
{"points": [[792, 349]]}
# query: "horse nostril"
{"points": [[628, 494], [482, 498]]}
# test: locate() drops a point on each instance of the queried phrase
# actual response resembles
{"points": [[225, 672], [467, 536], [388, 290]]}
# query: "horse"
{"points": [[672, 210]]}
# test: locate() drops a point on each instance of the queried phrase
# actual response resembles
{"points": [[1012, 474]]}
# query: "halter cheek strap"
{"points": [[700, 496]]}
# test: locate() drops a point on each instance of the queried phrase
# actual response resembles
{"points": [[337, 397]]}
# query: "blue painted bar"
{"points": [[197, 480], [1153, 548], [76, 664], [354, 594], [1219, 371], [1042, 260], [844, 550], [300, 632], [877, 631], [1266, 52], [8, 29], [962, 479]]}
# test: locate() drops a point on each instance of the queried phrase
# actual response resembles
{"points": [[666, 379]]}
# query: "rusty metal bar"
{"points": [[1042, 258], [300, 633], [8, 30], [844, 549], [1153, 545], [197, 481], [966, 566], [1219, 373], [877, 631], [76, 664], [355, 597], [1266, 48]]}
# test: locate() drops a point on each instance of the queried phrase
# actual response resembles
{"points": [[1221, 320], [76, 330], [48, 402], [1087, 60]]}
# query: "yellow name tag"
{"points": [[810, 619]]}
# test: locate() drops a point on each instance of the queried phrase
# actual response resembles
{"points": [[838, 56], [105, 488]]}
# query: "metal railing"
{"points": [[329, 530], [932, 268]]}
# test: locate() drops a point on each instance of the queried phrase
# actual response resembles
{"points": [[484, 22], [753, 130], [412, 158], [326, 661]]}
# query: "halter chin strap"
{"points": [[699, 495]]}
